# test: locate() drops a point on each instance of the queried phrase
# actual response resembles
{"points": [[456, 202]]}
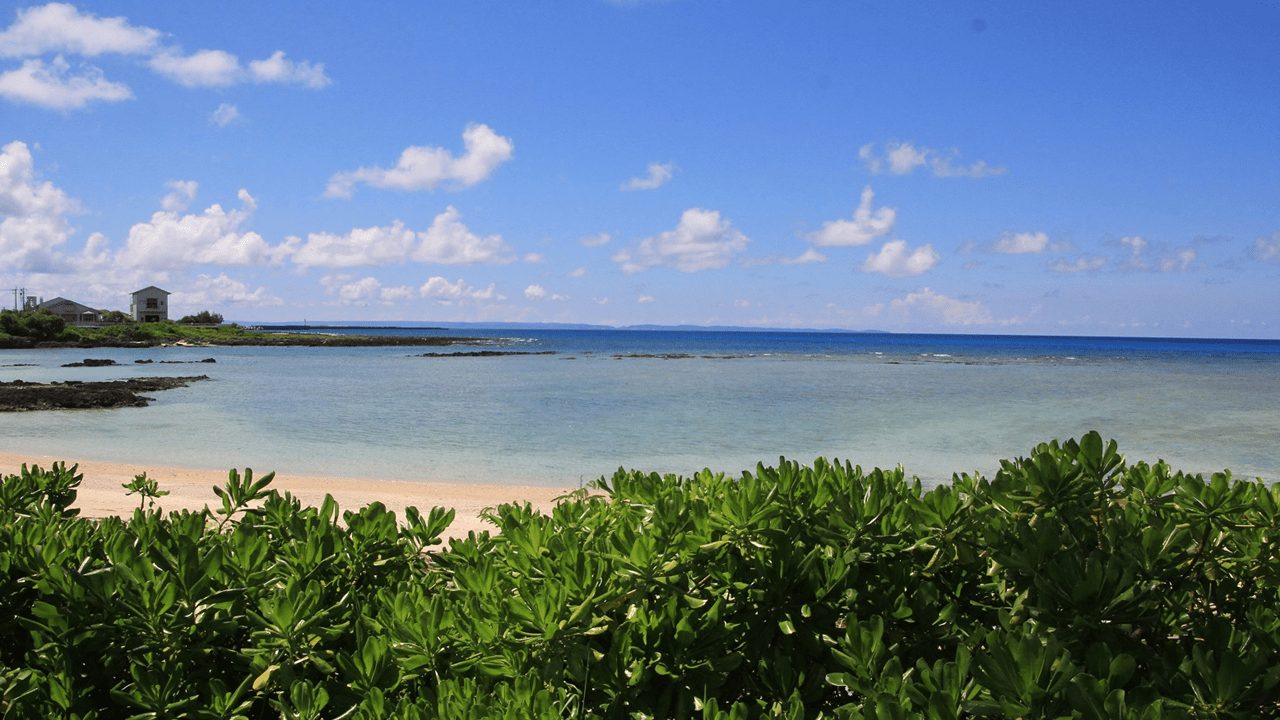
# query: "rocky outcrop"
{"points": [[73, 395], [92, 362], [484, 353]]}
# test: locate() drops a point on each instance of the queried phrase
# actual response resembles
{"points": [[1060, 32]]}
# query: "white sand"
{"points": [[100, 494]]}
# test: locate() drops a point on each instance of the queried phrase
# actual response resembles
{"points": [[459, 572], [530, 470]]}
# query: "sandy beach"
{"points": [[100, 493]]}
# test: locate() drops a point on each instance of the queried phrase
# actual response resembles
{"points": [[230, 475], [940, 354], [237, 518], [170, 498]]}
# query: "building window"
{"points": [[152, 304]]}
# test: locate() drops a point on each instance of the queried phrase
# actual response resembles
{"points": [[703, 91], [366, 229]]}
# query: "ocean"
{"points": [[669, 401]]}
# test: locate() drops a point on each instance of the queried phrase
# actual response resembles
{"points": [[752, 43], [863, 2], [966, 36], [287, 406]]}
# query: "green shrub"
{"points": [[35, 324], [204, 317], [1071, 584]]}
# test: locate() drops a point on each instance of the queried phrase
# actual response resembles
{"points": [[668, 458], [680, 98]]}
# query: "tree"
{"points": [[204, 317], [35, 324]]}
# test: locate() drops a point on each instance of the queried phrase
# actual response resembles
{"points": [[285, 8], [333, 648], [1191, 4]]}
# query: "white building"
{"points": [[150, 304]]}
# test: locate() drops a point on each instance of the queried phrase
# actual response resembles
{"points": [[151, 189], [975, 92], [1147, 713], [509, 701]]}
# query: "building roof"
{"points": [[61, 301], [151, 287]]}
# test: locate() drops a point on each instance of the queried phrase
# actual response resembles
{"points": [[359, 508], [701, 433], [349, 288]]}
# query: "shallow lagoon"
{"points": [[672, 402]]}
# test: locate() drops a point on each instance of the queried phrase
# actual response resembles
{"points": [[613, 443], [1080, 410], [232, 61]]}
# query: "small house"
{"points": [[150, 304], [72, 312]]}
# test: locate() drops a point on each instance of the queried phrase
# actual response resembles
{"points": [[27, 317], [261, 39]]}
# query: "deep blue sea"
{"points": [[670, 401]]}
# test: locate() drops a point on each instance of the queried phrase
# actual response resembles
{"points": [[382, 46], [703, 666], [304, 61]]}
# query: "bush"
{"points": [[35, 324], [204, 317], [1069, 585]]}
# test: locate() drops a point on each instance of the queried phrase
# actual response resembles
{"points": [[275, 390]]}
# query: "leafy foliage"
{"points": [[35, 324], [1071, 584], [204, 317]]}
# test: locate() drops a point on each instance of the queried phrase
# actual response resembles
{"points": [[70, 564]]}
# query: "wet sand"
{"points": [[100, 494]]}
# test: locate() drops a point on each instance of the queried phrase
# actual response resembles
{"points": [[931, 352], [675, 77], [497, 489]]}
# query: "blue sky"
{"points": [[1083, 168]]}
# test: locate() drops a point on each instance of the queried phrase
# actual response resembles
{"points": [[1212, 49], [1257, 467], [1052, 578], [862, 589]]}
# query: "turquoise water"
{"points": [[936, 404]]}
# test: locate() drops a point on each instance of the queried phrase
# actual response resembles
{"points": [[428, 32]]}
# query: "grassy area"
{"points": [[1069, 585], [44, 329]]}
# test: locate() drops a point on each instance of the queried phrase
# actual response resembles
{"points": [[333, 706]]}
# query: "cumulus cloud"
{"points": [[597, 240], [896, 260], [447, 242], [440, 289], [657, 175], [1022, 243], [537, 292], [425, 168], [350, 291], [55, 86], [1164, 260], [1267, 249], [62, 29], [701, 241], [1083, 263], [902, 158], [930, 305], [578, 272], [219, 68], [181, 193], [204, 68], [210, 291], [172, 240], [277, 69], [224, 115], [33, 213], [867, 225], [59, 27], [645, 299]]}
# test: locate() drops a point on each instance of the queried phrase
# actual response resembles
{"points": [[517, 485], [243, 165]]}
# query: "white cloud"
{"points": [[1180, 261], [181, 193], [866, 225], [931, 305], [54, 86], [361, 246], [59, 27], [225, 115], [598, 240], [1084, 263], [448, 242], [902, 158], [645, 299], [33, 214], [578, 272], [1022, 243], [701, 241], [804, 258], [439, 288], [349, 291], [658, 174], [537, 292], [397, 294], [276, 69], [209, 292], [204, 68], [533, 258], [171, 240], [895, 260], [424, 168], [1267, 249]]}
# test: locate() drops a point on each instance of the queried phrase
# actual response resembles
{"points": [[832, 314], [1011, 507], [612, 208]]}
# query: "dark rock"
{"points": [[92, 362], [72, 394], [147, 361], [485, 353]]}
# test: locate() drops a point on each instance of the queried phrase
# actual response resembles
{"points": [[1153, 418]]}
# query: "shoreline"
{"points": [[101, 495]]}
